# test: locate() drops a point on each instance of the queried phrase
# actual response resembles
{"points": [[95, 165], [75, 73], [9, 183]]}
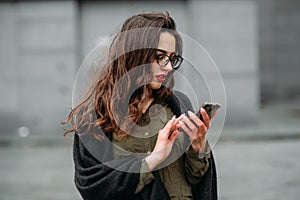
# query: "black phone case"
{"points": [[210, 108]]}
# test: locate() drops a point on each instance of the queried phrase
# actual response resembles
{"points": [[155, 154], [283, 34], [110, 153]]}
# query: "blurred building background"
{"points": [[255, 44]]}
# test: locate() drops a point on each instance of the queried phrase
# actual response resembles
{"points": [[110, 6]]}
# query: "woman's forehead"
{"points": [[166, 43]]}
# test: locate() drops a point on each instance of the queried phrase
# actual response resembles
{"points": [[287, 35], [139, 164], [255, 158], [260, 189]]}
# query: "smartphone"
{"points": [[209, 107]]}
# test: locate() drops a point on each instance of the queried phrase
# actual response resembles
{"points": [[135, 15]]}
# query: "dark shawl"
{"points": [[98, 176]]}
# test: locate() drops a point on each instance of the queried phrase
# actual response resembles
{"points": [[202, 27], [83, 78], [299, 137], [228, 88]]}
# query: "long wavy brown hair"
{"points": [[115, 101]]}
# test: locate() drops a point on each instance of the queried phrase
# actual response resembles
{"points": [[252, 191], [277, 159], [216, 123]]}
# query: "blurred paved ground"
{"points": [[259, 161], [260, 170]]}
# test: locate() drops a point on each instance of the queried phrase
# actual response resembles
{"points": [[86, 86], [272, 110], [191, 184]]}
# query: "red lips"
{"points": [[161, 77]]}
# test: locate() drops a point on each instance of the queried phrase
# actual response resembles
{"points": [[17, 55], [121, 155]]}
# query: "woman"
{"points": [[136, 138]]}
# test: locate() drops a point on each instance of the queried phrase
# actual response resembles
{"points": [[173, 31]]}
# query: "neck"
{"points": [[147, 104]]}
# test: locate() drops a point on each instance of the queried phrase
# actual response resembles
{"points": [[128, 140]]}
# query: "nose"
{"points": [[168, 67]]}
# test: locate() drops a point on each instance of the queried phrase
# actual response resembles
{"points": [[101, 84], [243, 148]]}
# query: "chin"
{"points": [[155, 85]]}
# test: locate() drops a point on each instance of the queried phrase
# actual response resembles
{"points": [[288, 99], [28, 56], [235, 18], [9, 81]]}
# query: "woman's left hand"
{"points": [[196, 129]]}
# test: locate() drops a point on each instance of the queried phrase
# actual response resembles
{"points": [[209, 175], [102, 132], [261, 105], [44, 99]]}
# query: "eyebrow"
{"points": [[163, 51]]}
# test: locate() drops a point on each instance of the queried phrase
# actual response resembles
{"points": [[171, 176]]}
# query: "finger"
{"points": [[201, 127], [173, 129], [172, 119], [190, 124], [194, 119], [202, 130], [177, 120], [173, 136], [169, 124], [170, 127], [175, 126], [205, 117], [186, 129]]}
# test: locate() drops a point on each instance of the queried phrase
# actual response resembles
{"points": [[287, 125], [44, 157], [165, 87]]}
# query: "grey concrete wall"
{"points": [[41, 46], [104, 18], [229, 32], [279, 49], [227, 29], [39, 51], [8, 68], [38, 65]]}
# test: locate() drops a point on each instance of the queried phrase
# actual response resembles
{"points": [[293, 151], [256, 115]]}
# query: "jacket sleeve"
{"points": [[195, 166], [146, 177], [104, 180], [206, 189]]}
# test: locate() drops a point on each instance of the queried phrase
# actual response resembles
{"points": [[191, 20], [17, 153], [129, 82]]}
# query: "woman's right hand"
{"points": [[163, 144]]}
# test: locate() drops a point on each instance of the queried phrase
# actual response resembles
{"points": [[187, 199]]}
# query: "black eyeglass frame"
{"points": [[180, 59]]}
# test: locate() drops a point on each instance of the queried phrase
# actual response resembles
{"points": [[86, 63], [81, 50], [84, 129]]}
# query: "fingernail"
{"points": [[173, 117]]}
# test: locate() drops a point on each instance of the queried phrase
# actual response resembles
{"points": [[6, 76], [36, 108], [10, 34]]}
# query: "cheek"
{"points": [[154, 68], [150, 73]]}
